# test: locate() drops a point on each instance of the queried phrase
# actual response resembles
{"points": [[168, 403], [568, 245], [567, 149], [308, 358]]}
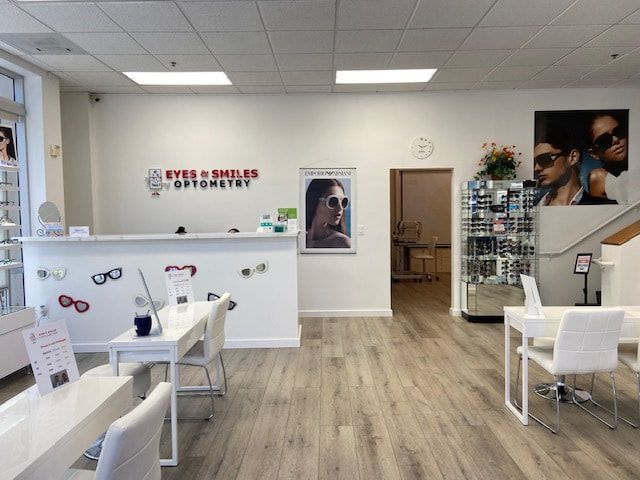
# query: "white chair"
{"points": [[586, 343], [131, 448], [430, 254], [207, 350], [141, 373]]}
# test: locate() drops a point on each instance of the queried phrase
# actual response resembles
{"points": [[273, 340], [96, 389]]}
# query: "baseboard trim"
{"points": [[89, 347], [455, 312], [345, 313], [262, 343]]}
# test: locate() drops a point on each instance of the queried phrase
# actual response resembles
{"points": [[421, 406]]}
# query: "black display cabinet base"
{"points": [[483, 318]]}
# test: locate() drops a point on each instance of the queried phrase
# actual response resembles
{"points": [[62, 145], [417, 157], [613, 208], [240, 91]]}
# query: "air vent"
{"points": [[41, 43]]}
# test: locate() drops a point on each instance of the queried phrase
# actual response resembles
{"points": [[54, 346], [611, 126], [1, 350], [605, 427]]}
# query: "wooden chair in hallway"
{"points": [[429, 254]]}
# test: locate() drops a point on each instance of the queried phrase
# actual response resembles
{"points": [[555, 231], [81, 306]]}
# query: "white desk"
{"points": [[532, 327], [183, 326], [40, 437]]}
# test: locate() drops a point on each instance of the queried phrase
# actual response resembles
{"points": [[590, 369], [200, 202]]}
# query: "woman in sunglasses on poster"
{"points": [[325, 204], [7, 151], [607, 134]]}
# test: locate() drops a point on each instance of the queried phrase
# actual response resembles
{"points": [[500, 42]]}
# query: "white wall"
{"points": [[279, 134]]}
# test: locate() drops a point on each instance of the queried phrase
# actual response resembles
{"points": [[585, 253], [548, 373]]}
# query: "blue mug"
{"points": [[143, 325]]}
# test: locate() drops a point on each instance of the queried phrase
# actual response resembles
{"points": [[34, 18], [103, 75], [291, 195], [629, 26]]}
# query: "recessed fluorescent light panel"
{"points": [[179, 78], [385, 76]]}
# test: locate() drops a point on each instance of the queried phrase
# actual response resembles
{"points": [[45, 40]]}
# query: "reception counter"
{"points": [[266, 315]]}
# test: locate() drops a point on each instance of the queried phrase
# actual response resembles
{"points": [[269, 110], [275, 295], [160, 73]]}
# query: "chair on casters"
{"points": [[207, 350], [586, 343], [132, 446], [429, 255]]}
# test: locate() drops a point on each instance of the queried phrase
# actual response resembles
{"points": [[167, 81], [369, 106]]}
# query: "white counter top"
{"points": [[162, 236]]}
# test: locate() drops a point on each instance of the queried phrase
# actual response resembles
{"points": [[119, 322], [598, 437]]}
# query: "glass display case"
{"points": [[499, 242]]}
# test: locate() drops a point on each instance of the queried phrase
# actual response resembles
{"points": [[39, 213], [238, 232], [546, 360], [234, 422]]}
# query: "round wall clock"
{"points": [[421, 147]]}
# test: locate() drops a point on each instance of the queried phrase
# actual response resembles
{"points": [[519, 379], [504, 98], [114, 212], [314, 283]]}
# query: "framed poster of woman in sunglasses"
{"points": [[7, 147], [581, 156], [328, 213]]}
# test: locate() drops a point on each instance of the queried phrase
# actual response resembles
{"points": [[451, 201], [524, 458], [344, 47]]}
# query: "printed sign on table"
{"points": [[179, 287], [51, 356]]}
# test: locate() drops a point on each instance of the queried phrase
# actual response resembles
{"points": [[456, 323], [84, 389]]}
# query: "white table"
{"points": [[183, 326], [536, 327], [41, 437]]}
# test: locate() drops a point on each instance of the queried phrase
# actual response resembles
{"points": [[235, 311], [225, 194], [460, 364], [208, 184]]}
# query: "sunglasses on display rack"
{"points": [[170, 268], [246, 272], [66, 301], [5, 203], [545, 160], [605, 141], [101, 278], [58, 273], [333, 201], [212, 297]]}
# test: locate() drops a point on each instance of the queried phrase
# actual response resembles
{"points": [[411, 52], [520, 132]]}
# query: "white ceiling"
{"points": [[276, 46]]}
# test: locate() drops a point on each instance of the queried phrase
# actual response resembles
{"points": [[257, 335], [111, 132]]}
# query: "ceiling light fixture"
{"points": [[179, 78], [385, 76]]}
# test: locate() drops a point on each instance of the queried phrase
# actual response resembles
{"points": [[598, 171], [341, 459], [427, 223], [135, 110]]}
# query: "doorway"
{"points": [[420, 229]]}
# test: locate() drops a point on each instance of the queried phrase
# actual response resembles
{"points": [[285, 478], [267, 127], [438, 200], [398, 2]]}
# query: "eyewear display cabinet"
{"points": [[499, 242]]}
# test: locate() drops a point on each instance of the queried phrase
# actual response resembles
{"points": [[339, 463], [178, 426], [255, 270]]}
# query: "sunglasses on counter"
{"points": [[101, 278], [605, 141], [170, 268], [212, 297], [333, 201], [545, 160], [66, 301]]}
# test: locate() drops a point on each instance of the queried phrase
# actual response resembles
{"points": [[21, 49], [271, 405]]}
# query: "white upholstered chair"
{"points": [[586, 343], [209, 349], [131, 449]]}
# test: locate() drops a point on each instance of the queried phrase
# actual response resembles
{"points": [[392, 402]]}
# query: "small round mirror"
{"points": [[48, 213]]}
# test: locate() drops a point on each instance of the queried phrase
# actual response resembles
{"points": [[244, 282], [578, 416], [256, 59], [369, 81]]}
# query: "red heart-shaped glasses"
{"points": [[66, 301]]}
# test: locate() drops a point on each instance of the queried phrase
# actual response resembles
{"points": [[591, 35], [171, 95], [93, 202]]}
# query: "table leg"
{"points": [[113, 360], [522, 416], [173, 372], [525, 380]]}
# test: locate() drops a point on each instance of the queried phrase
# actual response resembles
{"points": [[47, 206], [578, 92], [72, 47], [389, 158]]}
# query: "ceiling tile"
{"points": [[308, 89], [262, 89], [617, 71], [14, 20], [518, 12], [255, 78], [298, 14], [508, 74], [541, 84], [132, 63], [477, 58], [591, 56], [536, 56], [460, 74], [171, 43], [100, 79], [564, 72], [373, 14], [304, 61], [222, 16], [566, 36], [361, 61], [72, 17], [76, 89], [307, 78], [433, 39], [312, 41], [419, 59], [236, 42], [595, 12], [449, 13], [214, 89], [168, 89], [147, 16], [450, 86], [633, 18], [190, 63], [117, 90], [380, 87], [491, 38], [106, 43], [65, 80], [247, 63], [362, 41], [506, 85], [618, 36], [73, 63]]}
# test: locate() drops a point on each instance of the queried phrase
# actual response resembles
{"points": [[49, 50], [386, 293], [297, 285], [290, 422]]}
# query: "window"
{"points": [[6, 87]]}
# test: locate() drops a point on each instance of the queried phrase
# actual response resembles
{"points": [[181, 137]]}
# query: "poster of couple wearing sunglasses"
{"points": [[581, 156], [328, 214]]}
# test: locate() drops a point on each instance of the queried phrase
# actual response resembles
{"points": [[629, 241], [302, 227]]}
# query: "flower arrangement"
{"points": [[499, 163]]}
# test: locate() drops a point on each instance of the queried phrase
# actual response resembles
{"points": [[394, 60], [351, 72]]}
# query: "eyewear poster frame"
{"points": [[328, 210]]}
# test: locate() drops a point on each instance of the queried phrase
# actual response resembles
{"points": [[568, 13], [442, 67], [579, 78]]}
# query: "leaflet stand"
{"points": [[532, 302], [582, 267]]}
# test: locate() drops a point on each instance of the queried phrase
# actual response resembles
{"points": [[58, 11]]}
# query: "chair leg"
{"points": [[615, 402], [206, 370], [518, 383], [224, 374], [628, 422], [557, 429]]}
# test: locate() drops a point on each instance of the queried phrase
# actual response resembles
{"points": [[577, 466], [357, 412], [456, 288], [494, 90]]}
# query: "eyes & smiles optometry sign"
{"points": [[193, 179]]}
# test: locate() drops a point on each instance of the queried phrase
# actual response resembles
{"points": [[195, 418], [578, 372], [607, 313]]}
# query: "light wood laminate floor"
{"points": [[416, 396]]}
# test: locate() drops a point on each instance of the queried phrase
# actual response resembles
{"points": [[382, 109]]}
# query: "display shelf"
{"points": [[9, 168], [10, 266], [499, 241], [9, 188], [10, 208], [7, 247], [9, 226]]}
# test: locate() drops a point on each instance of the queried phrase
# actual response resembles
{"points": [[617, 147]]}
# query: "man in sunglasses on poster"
{"points": [[557, 157], [607, 135]]}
